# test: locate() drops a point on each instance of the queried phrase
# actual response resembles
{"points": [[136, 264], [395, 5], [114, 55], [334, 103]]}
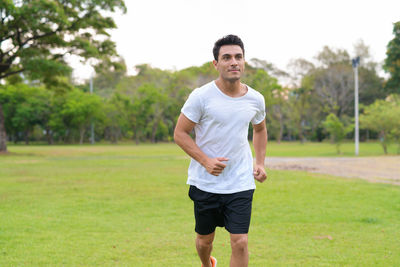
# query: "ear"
{"points": [[215, 63]]}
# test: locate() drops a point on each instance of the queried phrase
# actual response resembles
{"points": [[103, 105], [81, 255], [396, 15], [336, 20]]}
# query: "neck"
{"points": [[234, 89]]}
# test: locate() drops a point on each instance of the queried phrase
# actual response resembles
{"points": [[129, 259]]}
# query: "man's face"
{"points": [[230, 64]]}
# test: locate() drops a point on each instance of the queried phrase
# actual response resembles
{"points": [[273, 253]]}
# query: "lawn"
{"points": [[326, 149], [127, 205]]}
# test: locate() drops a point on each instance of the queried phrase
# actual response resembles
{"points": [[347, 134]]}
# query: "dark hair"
{"points": [[227, 40]]}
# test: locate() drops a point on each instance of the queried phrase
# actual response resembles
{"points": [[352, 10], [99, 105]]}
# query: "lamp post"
{"points": [[356, 62]]}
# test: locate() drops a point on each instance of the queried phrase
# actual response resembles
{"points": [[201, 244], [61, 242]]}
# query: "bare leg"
{"points": [[240, 252], [204, 247]]}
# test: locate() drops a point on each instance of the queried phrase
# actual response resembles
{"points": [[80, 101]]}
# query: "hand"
{"points": [[259, 173], [215, 166]]}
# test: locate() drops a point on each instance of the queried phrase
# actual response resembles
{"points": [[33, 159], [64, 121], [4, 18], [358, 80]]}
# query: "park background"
{"points": [[123, 200]]}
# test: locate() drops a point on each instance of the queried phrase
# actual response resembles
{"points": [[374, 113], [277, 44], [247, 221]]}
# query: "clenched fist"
{"points": [[215, 166], [259, 173]]}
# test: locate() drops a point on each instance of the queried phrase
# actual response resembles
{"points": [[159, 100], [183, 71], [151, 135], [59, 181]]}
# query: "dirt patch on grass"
{"points": [[373, 169]]}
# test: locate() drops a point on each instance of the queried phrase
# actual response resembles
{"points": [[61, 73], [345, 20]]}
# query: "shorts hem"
{"points": [[233, 191], [237, 232], [205, 233]]}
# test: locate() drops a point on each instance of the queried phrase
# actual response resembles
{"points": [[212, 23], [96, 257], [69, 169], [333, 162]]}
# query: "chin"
{"points": [[232, 79]]}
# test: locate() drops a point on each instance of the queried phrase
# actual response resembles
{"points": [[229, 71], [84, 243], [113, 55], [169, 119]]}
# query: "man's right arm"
{"points": [[182, 138]]}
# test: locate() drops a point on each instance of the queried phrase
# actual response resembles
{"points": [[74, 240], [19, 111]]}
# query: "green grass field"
{"points": [[127, 205]]}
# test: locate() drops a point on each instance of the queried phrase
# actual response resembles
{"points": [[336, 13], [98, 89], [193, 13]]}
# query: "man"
{"points": [[221, 173]]}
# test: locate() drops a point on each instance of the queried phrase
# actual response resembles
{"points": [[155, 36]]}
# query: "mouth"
{"points": [[233, 70]]}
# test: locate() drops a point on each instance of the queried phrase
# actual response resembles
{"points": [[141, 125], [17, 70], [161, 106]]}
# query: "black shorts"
{"points": [[232, 211]]}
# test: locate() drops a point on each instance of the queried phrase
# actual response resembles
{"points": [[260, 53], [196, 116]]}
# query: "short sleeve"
{"points": [[192, 108], [260, 114]]}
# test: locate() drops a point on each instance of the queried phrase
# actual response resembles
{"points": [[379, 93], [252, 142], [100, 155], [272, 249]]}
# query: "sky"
{"points": [[176, 34]]}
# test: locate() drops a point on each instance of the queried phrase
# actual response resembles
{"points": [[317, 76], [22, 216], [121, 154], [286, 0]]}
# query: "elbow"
{"points": [[177, 137]]}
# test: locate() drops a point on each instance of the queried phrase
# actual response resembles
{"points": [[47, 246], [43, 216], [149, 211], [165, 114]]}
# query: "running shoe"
{"points": [[213, 262]]}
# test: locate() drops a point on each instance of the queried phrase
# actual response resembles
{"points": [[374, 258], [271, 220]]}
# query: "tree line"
{"points": [[144, 107]]}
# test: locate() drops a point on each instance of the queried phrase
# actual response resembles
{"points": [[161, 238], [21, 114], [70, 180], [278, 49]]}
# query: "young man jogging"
{"points": [[221, 173]]}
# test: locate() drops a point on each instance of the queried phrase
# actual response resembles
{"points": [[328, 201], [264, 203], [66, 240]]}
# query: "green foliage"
{"points": [[332, 81], [274, 95], [392, 61], [38, 34], [303, 111], [383, 117], [58, 114], [116, 118], [145, 107], [108, 75], [328, 87], [146, 111], [336, 129], [24, 107], [77, 111]]}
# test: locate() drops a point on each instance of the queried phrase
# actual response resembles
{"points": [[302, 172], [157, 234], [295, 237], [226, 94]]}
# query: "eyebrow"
{"points": [[238, 54]]}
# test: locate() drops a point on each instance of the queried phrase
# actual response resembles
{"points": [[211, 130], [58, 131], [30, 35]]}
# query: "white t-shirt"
{"points": [[222, 124]]}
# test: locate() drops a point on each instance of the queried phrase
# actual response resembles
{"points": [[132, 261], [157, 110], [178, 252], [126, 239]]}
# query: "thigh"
{"points": [[237, 212], [207, 211]]}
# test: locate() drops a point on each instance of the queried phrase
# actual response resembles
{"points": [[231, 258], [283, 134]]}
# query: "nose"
{"points": [[234, 61]]}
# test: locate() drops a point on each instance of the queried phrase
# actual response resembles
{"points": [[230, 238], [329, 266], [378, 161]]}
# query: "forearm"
{"points": [[260, 139], [188, 145]]}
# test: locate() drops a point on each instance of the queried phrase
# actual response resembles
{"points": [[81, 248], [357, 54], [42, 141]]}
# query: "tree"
{"points": [[394, 113], [116, 117], [299, 68], [268, 86], [336, 129], [298, 108], [392, 61], [107, 77], [180, 85], [303, 107], [270, 68], [370, 84], [333, 80], [24, 108], [383, 117], [77, 111], [147, 108], [36, 35]]}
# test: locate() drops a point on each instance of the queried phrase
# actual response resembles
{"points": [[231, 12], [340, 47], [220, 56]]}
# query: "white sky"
{"points": [[175, 34]]}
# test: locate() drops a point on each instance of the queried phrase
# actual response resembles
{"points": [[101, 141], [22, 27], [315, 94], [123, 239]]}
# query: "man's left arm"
{"points": [[260, 138]]}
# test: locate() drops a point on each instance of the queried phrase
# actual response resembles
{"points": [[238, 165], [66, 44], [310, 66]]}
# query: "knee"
{"points": [[239, 244], [203, 243]]}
